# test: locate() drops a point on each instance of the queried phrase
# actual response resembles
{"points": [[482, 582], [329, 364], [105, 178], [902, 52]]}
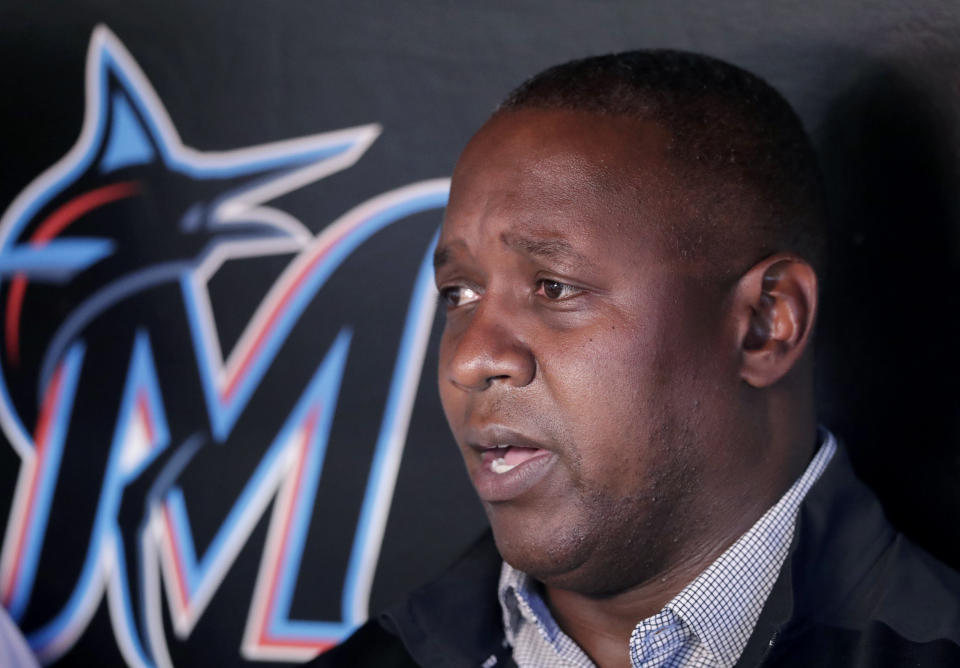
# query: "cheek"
{"points": [[442, 358], [624, 394], [614, 366], [448, 394], [604, 383]]}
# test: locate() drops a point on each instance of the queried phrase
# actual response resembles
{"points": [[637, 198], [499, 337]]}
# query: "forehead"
{"points": [[560, 173]]}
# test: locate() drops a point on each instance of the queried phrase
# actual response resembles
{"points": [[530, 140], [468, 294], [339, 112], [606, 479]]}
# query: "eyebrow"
{"points": [[441, 256], [547, 249]]}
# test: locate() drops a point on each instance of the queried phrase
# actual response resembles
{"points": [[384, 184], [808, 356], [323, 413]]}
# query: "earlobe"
{"points": [[777, 305]]}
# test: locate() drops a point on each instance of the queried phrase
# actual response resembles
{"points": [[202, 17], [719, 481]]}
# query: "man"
{"points": [[629, 263]]}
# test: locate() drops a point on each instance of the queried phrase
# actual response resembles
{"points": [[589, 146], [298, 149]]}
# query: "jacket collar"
{"points": [[841, 533], [456, 620]]}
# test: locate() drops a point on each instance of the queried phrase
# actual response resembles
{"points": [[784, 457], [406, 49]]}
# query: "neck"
{"points": [[602, 625]]}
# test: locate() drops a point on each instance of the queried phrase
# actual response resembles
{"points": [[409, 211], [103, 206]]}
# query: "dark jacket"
{"points": [[853, 592]]}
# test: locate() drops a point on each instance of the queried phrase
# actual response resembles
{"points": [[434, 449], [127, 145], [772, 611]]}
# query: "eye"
{"points": [[555, 290], [458, 295]]}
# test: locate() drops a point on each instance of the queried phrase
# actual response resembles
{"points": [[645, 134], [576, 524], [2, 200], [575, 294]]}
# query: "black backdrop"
{"points": [[876, 83]]}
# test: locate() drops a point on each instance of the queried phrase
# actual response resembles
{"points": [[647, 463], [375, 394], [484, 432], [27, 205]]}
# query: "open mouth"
{"points": [[504, 458], [511, 463]]}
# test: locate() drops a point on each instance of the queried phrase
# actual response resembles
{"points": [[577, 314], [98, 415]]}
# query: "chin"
{"points": [[548, 553], [564, 566], [569, 551]]}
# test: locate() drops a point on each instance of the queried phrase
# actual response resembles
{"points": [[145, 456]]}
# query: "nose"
{"points": [[487, 350]]}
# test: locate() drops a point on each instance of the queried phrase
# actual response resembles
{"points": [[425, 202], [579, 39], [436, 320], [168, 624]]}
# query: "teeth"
{"points": [[500, 465]]}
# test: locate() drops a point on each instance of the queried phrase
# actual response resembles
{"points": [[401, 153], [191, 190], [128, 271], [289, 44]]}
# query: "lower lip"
{"points": [[492, 486]]}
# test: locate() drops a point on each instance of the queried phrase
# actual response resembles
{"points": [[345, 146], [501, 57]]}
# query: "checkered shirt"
{"points": [[707, 624]]}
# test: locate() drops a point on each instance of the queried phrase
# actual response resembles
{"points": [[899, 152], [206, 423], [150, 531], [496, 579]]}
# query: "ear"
{"points": [[777, 303]]}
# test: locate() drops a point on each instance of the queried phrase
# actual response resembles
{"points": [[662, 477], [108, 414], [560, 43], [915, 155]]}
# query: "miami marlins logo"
{"points": [[124, 270]]}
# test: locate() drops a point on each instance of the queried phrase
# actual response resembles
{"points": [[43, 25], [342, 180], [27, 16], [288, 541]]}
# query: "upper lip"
{"points": [[495, 436]]}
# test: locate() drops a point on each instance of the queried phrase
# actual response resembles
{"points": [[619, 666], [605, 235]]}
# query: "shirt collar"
{"points": [[723, 603]]}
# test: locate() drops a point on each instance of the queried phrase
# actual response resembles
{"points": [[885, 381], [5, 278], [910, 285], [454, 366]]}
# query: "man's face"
{"points": [[585, 367]]}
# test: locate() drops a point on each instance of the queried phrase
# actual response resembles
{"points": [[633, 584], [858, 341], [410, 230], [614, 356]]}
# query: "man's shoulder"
{"points": [[919, 595], [454, 620], [905, 612], [873, 646], [863, 594], [853, 565]]}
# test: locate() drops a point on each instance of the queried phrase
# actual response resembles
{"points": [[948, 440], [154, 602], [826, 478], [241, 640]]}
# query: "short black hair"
{"points": [[736, 141]]}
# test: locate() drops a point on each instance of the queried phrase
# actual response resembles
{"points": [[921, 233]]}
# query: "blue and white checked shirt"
{"points": [[707, 624]]}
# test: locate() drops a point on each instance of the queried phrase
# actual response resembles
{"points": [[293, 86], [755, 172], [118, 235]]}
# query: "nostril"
{"points": [[481, 384]]}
